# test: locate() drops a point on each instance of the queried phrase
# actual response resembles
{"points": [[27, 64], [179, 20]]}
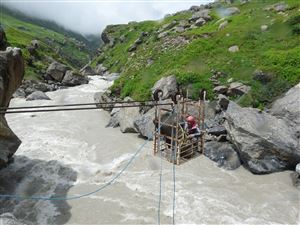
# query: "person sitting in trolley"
{"points": [[192, 128]]}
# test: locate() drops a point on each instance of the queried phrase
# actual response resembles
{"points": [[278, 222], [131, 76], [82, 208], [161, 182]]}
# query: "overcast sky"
{"points": [[91, 16]]}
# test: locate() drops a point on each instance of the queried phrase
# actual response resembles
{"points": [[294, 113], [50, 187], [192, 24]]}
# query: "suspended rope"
{"points": [[77, 108]]}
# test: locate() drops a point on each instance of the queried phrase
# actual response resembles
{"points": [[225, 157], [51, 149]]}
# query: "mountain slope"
{"points": [[195, 53], [52, 46]]}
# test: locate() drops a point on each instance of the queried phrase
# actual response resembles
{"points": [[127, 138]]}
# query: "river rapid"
{"points": [[72, 153]]}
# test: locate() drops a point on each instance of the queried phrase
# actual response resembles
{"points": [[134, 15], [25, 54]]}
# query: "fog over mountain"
{"points": [[91, 17]]}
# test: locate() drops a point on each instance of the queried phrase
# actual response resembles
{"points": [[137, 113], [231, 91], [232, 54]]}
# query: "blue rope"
{"points": [[19, 197]]}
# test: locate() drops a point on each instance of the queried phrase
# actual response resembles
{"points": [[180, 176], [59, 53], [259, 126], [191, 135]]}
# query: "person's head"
{"points": [[191, 122]]}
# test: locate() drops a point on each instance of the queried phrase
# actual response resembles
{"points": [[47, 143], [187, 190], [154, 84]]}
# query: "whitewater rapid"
{"points": [[72, 153]]}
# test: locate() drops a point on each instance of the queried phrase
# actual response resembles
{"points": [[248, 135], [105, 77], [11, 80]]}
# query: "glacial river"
{"points": [[72, 153]]}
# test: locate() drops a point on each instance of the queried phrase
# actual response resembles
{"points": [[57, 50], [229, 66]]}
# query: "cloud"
{"points": [[91, 16]]}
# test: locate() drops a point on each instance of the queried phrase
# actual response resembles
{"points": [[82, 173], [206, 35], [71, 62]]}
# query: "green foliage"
{"points": [[52, 44], [274, 51]]}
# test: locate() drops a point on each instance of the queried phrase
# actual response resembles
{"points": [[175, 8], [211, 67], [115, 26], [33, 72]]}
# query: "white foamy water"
{"points": [[85, 154]]}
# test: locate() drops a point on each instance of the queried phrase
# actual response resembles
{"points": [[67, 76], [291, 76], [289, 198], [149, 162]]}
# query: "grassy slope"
{"points": [[73, 56], [276, 51]]}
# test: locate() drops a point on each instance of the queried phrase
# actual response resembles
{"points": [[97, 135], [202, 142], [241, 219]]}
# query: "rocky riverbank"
{"points": [[262, 141]]}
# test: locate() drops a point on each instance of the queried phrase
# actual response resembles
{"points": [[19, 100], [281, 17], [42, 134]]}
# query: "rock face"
{"points": [[168, 85], [223, 154], [9, 219], [265, 143], [11, 75], [3, 40]]}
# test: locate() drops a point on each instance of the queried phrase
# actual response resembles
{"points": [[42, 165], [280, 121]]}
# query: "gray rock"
{"points": [[221, 89], [111, 76], [3, 39], [264, 28], [73, 79], [57, 71], [168, 85], [87, 70], [237, 88], [265, 143], [179, 29], [222, 153], [19, 93], [169, 25], [288, 108], [113, 121], [105, 99], [262, 76], [127, 116], [162, 34], [204, 13], [223, 25], [234, 49], [298, 168], [217, 130], [200, 22], [223, 101], [11, 74], [280, 7], [37, 95], [132, 48], [184, 24], [100, 69], [122, 38], [144, 124], [35, 44]]}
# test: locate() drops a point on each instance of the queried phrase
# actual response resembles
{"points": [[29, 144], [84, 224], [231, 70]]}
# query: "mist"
{"points": [[91, 17]]}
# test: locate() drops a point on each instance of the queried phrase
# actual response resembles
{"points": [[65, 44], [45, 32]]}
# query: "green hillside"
{"points": [[52, 45], [194, 53]]}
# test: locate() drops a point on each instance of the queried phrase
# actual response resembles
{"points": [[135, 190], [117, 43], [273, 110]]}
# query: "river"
{"points": [[72, 153]]}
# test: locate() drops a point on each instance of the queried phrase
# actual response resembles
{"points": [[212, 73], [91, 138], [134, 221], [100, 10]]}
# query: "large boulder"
{"points": [[265, 143], [144, 124], [204, 13], [11, 75], [87, 70], [127, 116], [57, 71], [223, 154], [37, 95], [168, 85], [288, 107], [72, 79], [237, 88]]}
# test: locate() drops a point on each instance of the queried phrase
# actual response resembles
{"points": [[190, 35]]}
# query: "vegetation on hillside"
{"points": [[52, 46], [275, 52]]}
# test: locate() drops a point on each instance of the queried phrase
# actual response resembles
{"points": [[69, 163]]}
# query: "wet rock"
{"points": [[168, 85], [223, 154], [57, 71], [113, 121], [72, 79], [105, 99], [237, 88], [87, 70], [37, 95], [111, 76], [265, 143], [11, 74]]}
